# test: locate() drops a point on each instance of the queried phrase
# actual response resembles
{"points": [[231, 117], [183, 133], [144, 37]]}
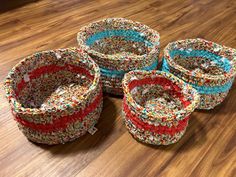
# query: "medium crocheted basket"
{"points": [[119, 45], [55, 95], [209, 67], [157, 106]]}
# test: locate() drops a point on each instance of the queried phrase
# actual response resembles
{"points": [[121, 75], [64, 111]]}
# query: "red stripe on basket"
{"points": [[52, 69], [152, 128], [62, 122], [173, 89]]}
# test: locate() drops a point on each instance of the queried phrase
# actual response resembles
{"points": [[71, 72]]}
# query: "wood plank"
{"points": [[209, 145]]}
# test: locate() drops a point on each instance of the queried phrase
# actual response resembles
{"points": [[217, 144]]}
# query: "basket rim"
{"points": [[152, 116], [170, 61], [17, 106], [109, 57]]}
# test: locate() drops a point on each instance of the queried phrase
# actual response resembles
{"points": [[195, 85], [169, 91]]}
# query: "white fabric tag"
{"points": [[26, 78], [92, 130]]}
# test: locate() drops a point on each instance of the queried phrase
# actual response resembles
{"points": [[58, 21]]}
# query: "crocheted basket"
{"points": [[156, 106], [209, 67], [55, 95], [119, 45]]}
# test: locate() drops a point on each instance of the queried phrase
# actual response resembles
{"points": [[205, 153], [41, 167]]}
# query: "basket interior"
{"points": [[201, 61], [119, 37], [52, 82], [120, 42], [159, 95]]}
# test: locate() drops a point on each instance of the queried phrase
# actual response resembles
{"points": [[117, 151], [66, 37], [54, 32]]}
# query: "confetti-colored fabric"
{"points": [[209, 67], [119, 45], [55, 96], [157, 106]]}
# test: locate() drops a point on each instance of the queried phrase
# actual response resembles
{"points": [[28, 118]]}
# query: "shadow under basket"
{"points": [[157, 106], [55, 95], [118, 46], [209, 67]]}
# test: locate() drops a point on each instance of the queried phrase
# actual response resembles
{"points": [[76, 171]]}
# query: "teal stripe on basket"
{"points": [[129, 35], [203, 89], [220, 61], [120, 74]]}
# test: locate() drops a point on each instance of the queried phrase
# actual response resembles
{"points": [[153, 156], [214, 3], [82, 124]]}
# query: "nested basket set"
{"points": [[56, 95]]}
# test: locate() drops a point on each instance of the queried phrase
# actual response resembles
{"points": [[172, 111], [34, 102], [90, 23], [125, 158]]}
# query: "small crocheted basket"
{"points": [[209, 67], [55, 95], [157, 106], [119, 45]]}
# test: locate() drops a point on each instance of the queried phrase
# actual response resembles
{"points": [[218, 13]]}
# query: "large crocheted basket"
{"points": [[209, 67], [157, 106], [119, 45], [55, 95]]}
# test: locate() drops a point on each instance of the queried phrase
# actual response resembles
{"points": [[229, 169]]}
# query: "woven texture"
{"points": [[209, 67], [156, 106], [55, 96], [119, 45]]}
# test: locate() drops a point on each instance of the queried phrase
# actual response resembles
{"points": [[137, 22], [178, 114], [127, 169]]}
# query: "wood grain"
{"points": [[209, 145]]}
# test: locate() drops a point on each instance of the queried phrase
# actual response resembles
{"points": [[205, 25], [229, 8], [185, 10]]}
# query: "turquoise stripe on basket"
{"points": [[120, 74], [203, 89], [129, 35], [222, 62]]}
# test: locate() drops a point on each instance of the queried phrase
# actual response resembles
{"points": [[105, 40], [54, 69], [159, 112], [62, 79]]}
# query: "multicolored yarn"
{"points": [[55, 95], [118, 46], [157, 106], [209, 67]]}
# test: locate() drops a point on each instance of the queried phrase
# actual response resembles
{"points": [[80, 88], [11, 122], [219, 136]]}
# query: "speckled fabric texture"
{"points": [[157, 106], [119, 45], [55, 96], [209, 67]]}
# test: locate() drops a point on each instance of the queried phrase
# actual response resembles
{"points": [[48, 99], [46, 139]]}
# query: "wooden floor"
{"points": [[209, 145]]}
